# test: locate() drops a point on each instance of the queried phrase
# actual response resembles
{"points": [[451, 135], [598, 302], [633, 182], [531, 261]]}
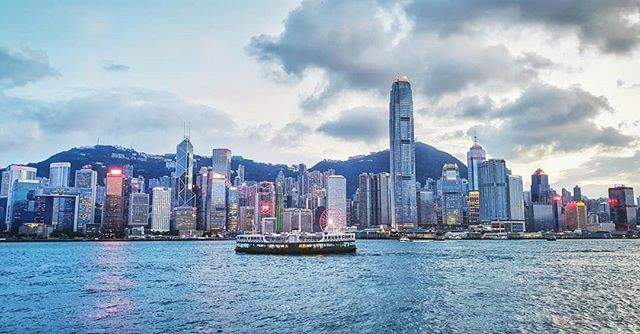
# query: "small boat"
{"points": [[439, 238], [404, 239], [550, 237]]}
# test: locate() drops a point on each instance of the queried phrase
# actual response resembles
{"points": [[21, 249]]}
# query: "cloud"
{"points": [[601, 171], [360, 45], [151, 120], [22, 67], [358, 124], [543, 120], [115, 67], [606, 25]]}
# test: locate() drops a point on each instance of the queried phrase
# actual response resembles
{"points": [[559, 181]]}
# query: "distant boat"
{"points": [[439, 238], [404, 239], [550, 237]]}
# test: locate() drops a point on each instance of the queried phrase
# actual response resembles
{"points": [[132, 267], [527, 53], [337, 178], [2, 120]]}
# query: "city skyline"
{"points": [[525, 62]]}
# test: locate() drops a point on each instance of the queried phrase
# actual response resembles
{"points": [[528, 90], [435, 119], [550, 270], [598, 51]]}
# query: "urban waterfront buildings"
{"points": [[494, 192], [184, 174], [114, 208], [475, 156], [623, 210], [404, 213], [161, 209], [59, 173], [452, 196]]}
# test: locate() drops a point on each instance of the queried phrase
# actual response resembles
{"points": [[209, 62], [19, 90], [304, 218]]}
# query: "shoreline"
{"points": [[106, 240]]}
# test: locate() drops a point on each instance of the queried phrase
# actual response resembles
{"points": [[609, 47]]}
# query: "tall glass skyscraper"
{"points": [[184, 174], [494, 191], [475, 157], [404, 214]]}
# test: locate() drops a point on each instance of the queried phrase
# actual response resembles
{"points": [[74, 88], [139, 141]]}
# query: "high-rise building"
{"points": [[266, 201], [337, 199], [221, 163], [402, 156], [184, 174], [86, 181], [138, 209], [23, 190], [475, 157], [201, 191], [575, 216], [161, 209], [59, 173], [374, 200], [113, 222], [516, 198], [474, 208], [622, 208], [494, 193], [297, 219], [452, 196], [337, 193], [540, 189], [240, 175], [279, 201], [427, 215], [232, 209], [9, 178], [217, 203], [577, 194], [185, 219]]}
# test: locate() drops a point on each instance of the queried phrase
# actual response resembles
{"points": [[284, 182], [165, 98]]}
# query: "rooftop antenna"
{"points": [[189, 130], [98, 144], [184, 130]]}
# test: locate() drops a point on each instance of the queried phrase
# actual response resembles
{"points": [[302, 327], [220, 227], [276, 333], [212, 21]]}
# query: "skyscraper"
{"points": [[540, 189], [577, 194], [87, 182], [161, 209], [622, 208], [221, 163], [184, 174], [475, 157], [575, 216], [452, 196], [139, 210], [494, 193], [9, 178], [402, 155], [217, 203], [516, 198], [59, 173], [113, 222], [337, 198], [266, 201]]}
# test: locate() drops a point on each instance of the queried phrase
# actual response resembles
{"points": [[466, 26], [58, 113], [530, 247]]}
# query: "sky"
{"points": [[542, 84]]}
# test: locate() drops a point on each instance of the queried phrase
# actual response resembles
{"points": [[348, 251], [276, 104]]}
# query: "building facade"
{"points": [[404, 213]]}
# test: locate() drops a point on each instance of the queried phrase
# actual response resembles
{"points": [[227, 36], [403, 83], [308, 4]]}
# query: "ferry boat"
{"points": [[404, 238], [296, 243]]}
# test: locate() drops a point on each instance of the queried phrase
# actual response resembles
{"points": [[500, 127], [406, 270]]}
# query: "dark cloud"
{"points": [[362, 45], [363, 124], [22, 67], [605, 25], [115, 67], [543, 120]]}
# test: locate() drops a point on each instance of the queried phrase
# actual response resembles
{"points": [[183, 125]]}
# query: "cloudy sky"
{"points": [[549, 84]]}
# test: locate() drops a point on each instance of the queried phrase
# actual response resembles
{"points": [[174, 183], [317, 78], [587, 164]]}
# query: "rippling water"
{"points": [[434, 287]]}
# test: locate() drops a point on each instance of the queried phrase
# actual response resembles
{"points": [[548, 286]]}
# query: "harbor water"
{"points": [[528, 286]]}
